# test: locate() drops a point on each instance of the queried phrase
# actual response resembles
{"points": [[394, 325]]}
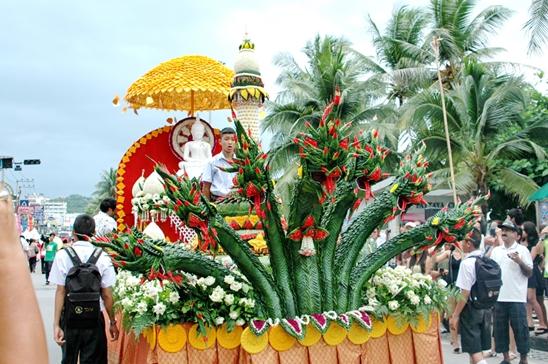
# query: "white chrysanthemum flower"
{"points": [[173, 297], [427, 300], [236, 286], [415, 300], [133, 281], [159, 308], [229, 279], [234, 315], [393, 305], [209, 281], [217, 295], [442, 283], [219, 321], [226, 262], [229, 299], [394, 289], [240, 322], [126, 302], [141, 307]]}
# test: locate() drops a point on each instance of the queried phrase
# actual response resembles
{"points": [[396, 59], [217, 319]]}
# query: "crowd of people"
{"points": [[519, 248]]}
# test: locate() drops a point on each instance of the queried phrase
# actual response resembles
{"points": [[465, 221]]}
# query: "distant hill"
{"points": [[75, 203]]}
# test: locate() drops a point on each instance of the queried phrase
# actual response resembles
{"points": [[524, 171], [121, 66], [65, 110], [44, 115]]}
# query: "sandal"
{"points": [[489, 354], [456, 350], [512, 355], [541, 331]]}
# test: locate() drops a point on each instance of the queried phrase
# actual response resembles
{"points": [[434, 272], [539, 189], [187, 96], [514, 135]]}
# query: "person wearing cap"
{"points": [[217, 183], [516, 266]]}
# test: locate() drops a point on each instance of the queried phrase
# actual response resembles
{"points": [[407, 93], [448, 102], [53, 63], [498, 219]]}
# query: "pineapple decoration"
{"points": [[247, 92]]}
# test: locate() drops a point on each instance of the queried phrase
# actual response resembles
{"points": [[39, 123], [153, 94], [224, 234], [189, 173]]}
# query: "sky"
{"points": [[63, 61]]}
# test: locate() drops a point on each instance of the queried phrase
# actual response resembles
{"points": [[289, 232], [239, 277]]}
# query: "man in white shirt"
{"points": [[474, 323], [516, 266], [84, 345], [217, 183], [104, 220]]}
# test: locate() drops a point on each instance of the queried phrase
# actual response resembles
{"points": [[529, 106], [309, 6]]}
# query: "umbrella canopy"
{"points": [[540, 194], [189, 83]]}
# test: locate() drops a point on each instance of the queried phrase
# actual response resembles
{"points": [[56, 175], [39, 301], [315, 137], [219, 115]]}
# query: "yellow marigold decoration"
{"points": [[191, 83], [229, 340], [421, 327], [151, 336], [253, 344], [378, 328], [312, 336], [436, 221], [392, 326], [281, 340], [335, 334], [394, 188], [258, 242], [172, 339], [199, 342], [358, 335]]}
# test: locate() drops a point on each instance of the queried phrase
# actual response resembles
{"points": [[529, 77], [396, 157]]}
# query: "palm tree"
{"points": [[106, 187], [537, 26], [464, 38], [485, 117], [401, 54]]}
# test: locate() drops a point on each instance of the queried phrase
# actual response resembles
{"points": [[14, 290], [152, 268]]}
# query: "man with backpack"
{"points": [[516, 266], [84, 275], [477, 275]]}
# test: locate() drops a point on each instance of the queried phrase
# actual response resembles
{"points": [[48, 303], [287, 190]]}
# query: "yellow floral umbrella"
{"points": [[189, 83]]}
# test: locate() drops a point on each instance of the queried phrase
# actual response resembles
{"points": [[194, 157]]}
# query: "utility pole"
{"points": [[28, 183]]}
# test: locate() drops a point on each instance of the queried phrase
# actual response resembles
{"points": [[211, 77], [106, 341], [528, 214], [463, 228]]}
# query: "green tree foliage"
{"points": [[486, 123], [537, 27], [106, 187], [75, 203]]}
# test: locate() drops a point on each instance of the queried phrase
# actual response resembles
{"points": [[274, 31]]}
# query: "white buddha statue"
{"points": [[196, 152]]}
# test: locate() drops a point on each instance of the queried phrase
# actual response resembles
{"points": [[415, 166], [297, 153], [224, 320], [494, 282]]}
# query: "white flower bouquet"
{"points": [[405, 296], [144, 302], [150, 206]]}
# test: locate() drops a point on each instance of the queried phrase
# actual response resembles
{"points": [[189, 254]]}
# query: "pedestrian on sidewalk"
{"points": [[474, 323], [516, 266]]}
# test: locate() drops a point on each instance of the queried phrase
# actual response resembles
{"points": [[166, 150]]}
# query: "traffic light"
{"points": [[6, 162], [31, 161]]}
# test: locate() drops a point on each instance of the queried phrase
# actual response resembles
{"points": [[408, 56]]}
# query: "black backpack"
{"points": [[83, 292], [485, 292]]}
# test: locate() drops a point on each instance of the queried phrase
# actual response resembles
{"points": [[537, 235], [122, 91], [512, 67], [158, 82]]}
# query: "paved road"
{"points": [[46, 294]]}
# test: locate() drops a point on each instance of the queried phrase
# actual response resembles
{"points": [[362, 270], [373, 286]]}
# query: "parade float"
{"points": [[206, 297]]}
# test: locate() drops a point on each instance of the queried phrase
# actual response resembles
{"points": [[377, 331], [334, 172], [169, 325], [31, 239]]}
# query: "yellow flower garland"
{"points": [[358, 335], [421, 327], [281, 340], [312, 336], [229, 340], [172, 339], [198, 341], [335, 334], [253, 344], [378, 328], [392, 326]]}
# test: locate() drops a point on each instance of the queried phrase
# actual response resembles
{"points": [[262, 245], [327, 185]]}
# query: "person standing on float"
{"points": [[217, 183]]}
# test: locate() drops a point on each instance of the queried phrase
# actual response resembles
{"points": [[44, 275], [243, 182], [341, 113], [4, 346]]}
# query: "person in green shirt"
{"points": [[51, 249]]}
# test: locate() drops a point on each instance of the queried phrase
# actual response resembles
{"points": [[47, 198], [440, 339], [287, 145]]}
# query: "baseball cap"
{"points": [[509, 224], [410, 224]]}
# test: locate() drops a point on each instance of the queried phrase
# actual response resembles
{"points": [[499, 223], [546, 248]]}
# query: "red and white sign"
{"points": [[25, 210]]}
